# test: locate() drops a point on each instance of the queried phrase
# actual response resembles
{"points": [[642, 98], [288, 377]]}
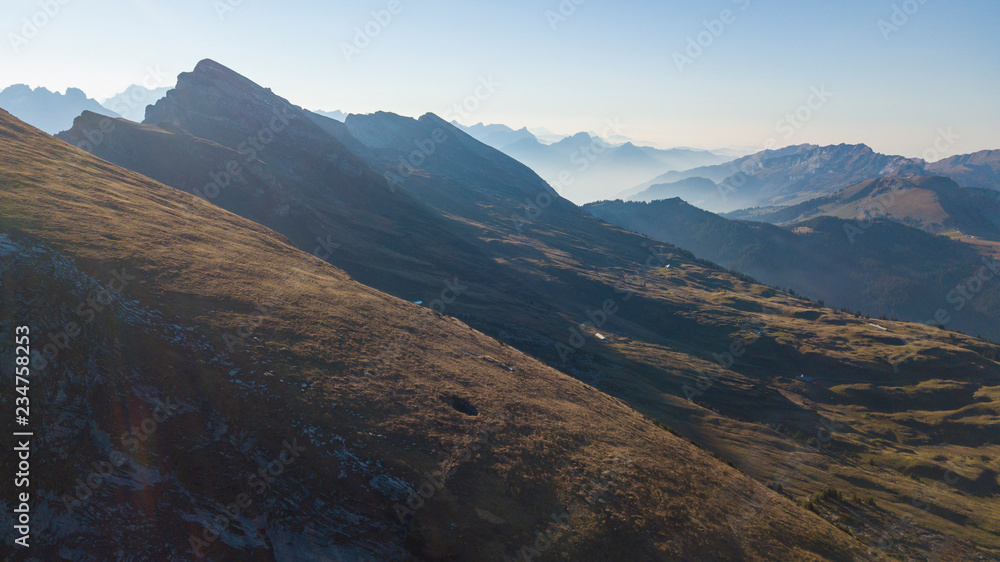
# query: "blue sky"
{"points": [[892, 88]]}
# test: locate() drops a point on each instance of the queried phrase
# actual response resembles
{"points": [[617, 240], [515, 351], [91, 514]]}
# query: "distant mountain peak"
{"points": [[209, 64], [49, 111], [21, 89], [212, 91]]}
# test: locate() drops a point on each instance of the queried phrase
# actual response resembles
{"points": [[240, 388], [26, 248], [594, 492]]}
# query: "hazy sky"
{"points": [[892, 87]]}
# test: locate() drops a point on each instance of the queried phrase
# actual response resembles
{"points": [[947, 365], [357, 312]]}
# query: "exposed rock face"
{"points": [[799, 177]]}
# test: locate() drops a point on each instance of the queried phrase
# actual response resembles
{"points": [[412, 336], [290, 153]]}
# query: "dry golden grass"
{"points": [[666, 498]]}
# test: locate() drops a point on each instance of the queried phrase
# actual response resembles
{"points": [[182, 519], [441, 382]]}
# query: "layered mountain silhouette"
{"points": [[696, 189], [497, 136], [586, 166], [875, 265], [335, 114], [979, 169], [51, 112], [785, 177], [718, 172], [424, 212], [933, 204], [131, 104]]}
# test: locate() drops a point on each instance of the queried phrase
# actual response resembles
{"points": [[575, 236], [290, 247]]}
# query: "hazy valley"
{"points": [[419, 325]]}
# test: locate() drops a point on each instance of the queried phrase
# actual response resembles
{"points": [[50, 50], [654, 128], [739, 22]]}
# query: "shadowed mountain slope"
{"points": [[261, 157], [696, 189], [499, 251], [352, 445], [979, 169], [933, 204], [879, 267]]}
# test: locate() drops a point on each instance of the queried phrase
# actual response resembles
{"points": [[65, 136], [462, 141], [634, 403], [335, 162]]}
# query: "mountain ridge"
{"points": [[542, 276], [790, 175], [935, 204], [51, 112], [228, 421]]}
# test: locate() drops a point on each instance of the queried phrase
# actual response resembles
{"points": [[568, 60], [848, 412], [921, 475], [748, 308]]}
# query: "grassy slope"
{"points": [[880, 267], [672, 322], [553, 433], [567, 263], [934, 204]]}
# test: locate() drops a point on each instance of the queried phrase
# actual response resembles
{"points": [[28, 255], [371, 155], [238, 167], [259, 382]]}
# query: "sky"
{"points": [[915, 78]]}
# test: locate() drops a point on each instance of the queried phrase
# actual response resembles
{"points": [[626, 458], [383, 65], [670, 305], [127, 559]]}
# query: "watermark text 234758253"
{"points": [[22, 439]]}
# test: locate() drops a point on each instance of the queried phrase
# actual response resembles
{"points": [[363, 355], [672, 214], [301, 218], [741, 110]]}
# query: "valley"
{"points": [[839, 425]]}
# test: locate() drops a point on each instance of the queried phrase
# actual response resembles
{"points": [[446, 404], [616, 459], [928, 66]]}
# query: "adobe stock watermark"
{"points": [[101, 297], [736, 349], [923, 501], [704, 39], [792, 462], [265, 308], [426, 147], [365, 34], [600, 316], [559, 525], [790, 124], [795, 120], [449, 294], [433, 481], [483, 91], [225, 7], [253, 147], [32, 25], [130, 440], [879, 206], [901, 14], [961, 296], [562, 12], [582, 160]]}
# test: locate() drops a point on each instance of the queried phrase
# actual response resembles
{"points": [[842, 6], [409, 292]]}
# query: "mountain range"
{"points": [[497, 136], [131, 103], [830, 251], [584, 167], [274, 260], [336, 115], [777, 178], [979, 169], [931, 203], [51, 112]]}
